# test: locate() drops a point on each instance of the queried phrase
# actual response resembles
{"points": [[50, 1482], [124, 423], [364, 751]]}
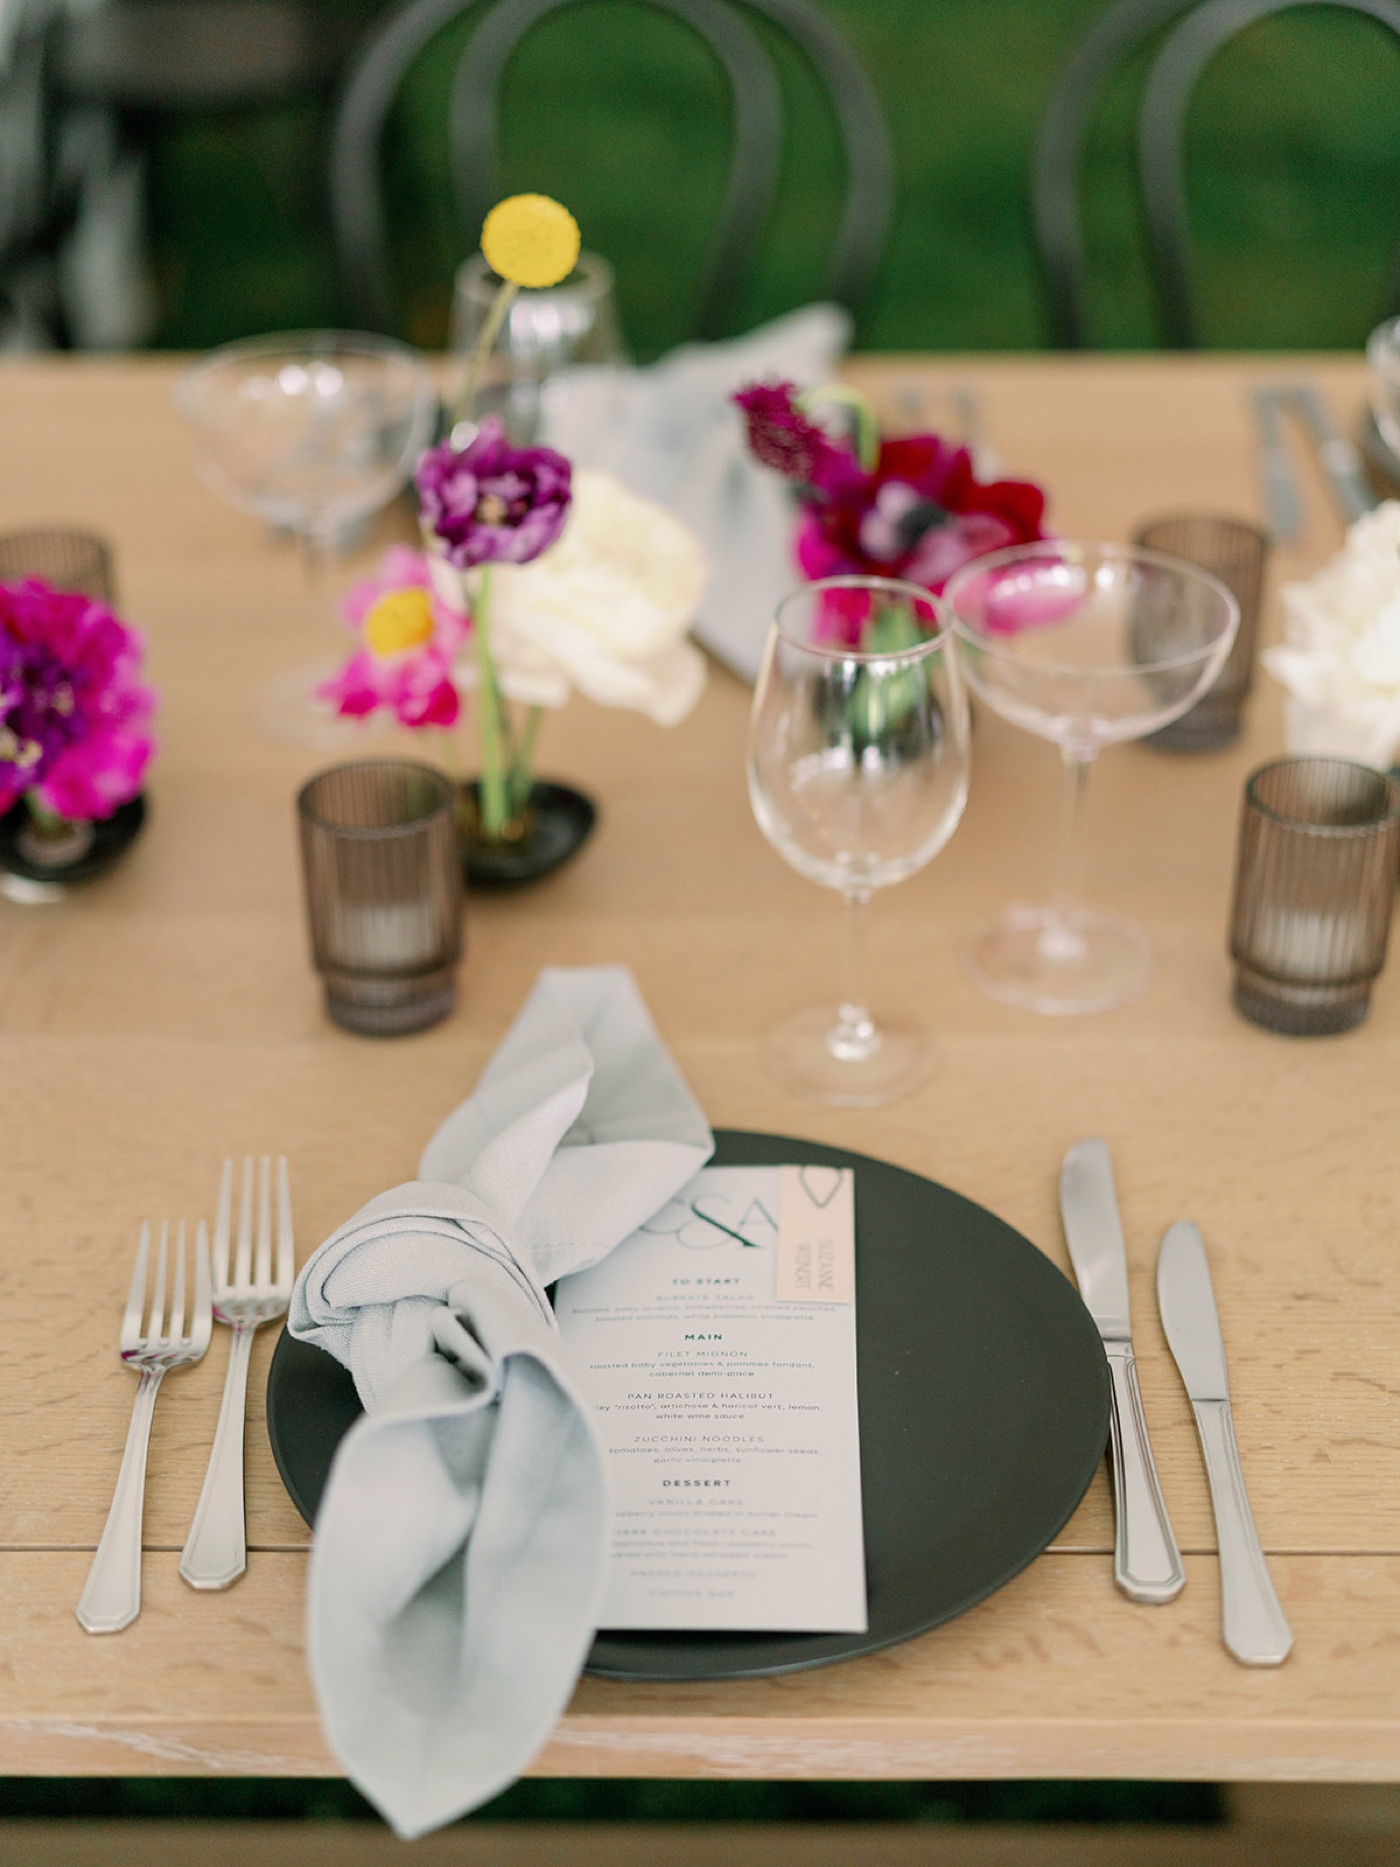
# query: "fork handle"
{"points": [[111, 1598], [216, 1552]]}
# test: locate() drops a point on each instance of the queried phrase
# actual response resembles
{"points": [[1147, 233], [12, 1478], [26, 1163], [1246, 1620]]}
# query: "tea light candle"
{"points": [[388, 936], [1308, 943]]}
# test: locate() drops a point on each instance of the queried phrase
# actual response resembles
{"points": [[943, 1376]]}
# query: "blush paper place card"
{"points": [[717, 1346]]}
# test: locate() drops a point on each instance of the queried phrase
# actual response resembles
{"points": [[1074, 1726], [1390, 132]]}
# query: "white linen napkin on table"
{"points": [[461, 1547], [671, 433]]}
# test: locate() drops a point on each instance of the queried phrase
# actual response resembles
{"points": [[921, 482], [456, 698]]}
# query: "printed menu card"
{"points": [[718, 1348]]}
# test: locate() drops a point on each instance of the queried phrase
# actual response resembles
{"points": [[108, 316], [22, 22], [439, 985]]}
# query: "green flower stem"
{"points": [[45, 821], [495, 810], [522, 762], [495, 317], [867, 435]]}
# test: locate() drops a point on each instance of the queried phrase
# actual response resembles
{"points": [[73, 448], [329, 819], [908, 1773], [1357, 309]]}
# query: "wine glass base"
{"points": [[287, 712], [1061, 964], [799, 1056]]}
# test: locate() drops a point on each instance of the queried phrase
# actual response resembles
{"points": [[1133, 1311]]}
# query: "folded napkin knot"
{"points": [[462, 1542]]}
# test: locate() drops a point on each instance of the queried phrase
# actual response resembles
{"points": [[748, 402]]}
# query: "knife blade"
{"points": [[1146, 1563], [1338, 458], [1256, 1631], [1281, 501]]}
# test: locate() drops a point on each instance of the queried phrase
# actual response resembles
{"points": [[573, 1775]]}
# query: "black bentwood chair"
{"points": [[1059, 156], [356, 200]]}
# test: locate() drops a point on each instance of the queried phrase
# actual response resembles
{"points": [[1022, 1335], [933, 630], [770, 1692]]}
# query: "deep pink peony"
{"points": [[74, 717], [410, 640], [493, 503]]}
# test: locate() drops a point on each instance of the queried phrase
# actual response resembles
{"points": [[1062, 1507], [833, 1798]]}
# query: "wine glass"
{"points": [[546, 330], [857, 768], [312, 431], [1084, 645]]}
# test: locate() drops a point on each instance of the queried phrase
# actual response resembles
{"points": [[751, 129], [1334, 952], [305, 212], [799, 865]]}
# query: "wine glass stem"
{"points": [[854, 1038], [1069, 868]]}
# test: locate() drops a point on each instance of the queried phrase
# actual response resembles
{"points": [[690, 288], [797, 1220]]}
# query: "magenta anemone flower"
{"points": [[74, 718], [410, 638], [492, 503]]}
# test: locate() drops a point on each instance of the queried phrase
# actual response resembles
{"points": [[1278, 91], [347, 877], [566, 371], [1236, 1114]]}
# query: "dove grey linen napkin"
{"points": [[461, 1547], [671, 433]]}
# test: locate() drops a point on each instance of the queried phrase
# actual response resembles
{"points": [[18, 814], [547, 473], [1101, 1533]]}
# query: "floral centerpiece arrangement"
{"points": [[534, 578], [75, 734], [908, 507], [1340, 659]]}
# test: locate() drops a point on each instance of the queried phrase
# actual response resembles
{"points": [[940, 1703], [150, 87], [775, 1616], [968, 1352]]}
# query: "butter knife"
{"points": [[1255, 1629], [1146, 1562]]}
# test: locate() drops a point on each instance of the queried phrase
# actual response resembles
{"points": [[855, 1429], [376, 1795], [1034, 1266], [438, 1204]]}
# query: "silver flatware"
{"points": [[1339, 459], [1282, 504], [111, 1599], [1146, 1562], [216, 1552], [1256, 1631]]}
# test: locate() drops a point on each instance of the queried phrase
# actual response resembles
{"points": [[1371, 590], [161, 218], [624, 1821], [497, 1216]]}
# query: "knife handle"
{"points": [[1255, 1629], [1146, 1561]]}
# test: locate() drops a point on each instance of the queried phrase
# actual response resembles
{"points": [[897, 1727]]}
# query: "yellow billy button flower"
{"points": [[530, 240], [400, 620]]}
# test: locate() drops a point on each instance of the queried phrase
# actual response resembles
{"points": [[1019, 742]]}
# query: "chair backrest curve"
{"points": [[1161, 128], [757, 133]]}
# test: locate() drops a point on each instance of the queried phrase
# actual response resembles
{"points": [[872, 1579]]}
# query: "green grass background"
{"points": [[1293, 167]]}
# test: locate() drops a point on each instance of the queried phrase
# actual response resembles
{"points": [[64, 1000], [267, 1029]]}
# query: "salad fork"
{"points": [[111, 1599], [216, 1552]]}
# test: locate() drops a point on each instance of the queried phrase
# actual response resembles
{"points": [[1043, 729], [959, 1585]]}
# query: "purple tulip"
{"points": [[493, 503]]}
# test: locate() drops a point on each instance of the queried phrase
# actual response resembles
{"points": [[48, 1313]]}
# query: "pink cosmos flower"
{"points": [[410, 638], [74, 718]]}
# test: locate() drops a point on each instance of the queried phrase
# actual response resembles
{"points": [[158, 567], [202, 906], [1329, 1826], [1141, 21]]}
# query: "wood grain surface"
{"points": [[167, 1014]]}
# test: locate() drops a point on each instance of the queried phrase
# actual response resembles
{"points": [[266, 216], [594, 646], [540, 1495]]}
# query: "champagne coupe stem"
{"points": [[854, 1038], [1060, 939]]}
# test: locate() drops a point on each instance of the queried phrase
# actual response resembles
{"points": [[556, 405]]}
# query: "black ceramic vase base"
{"points": [[112, 837], [561, 820]]}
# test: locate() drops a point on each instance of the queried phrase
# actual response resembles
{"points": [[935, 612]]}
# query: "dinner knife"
{"points": [[1255, 1629], [1281, 501], [1338, 458], [1146, 1561]]}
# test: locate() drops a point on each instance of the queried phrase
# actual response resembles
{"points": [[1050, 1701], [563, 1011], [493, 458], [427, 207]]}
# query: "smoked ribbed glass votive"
{"points": [[66, 560], [1318, 858], [1237, 554], [382, 859]]}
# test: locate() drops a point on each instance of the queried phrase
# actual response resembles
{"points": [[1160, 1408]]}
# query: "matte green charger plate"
{"points": [[983, 1415]]}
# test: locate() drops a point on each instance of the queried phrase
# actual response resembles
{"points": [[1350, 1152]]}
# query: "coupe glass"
{"points": [[545, 331], [857, 766], [1084, 645], [312, 431]]}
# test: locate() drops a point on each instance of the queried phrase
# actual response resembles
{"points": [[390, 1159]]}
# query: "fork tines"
{"points": [[252, 1273], [170, 1330]]}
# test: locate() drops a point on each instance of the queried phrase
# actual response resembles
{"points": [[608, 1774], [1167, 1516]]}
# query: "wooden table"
{"points": [[167, 1014]]}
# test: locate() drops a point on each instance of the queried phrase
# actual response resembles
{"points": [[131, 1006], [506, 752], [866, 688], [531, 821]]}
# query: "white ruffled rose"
{"points": [[1340, 660], [605, 609]]}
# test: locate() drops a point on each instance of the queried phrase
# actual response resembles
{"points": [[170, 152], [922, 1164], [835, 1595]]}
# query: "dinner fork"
{"points": [[111, 1599], [216, 1553]]}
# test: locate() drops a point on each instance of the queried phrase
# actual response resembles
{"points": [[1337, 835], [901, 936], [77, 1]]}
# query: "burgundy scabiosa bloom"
{"points": [[74, 717], [782, 437], [491, 503]]}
